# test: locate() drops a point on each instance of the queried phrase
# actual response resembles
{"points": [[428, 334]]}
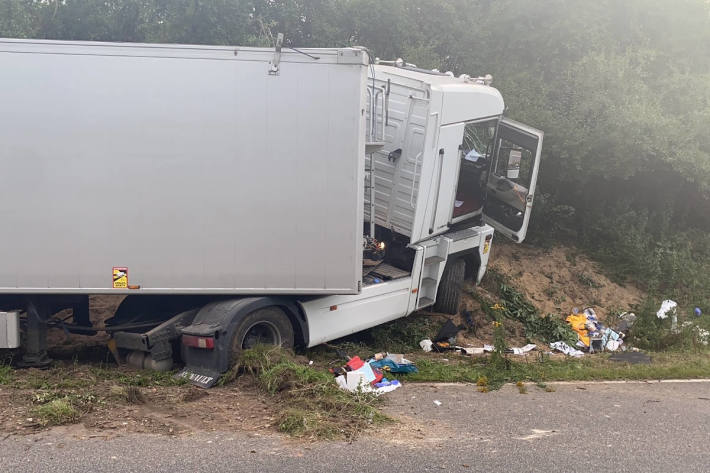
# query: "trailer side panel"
{"points": [[192, 168]]}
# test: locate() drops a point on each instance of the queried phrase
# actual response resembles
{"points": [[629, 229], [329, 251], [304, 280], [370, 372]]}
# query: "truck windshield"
{"points": [[476, 152]]}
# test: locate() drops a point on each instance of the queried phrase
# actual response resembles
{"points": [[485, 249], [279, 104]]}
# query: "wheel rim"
{"points": [[261, 333]]}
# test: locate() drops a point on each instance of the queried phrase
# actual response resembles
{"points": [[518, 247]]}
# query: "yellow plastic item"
{"points": [[578, 322]]}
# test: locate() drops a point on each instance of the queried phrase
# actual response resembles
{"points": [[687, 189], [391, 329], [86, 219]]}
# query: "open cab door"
{"points": [[512, 178]]}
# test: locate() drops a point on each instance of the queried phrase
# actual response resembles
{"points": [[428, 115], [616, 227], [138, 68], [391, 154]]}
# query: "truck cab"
{"points": [[444, 170], [459, 161]]}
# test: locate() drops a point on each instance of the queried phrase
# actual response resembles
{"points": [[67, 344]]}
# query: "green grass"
{"points": [[5, 374], [598, 367], [57, 408], [62, 376], [56, 412], [308, 401]]}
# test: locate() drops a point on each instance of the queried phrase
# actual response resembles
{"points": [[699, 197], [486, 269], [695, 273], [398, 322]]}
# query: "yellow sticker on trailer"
{"points": [[486, 247], [120, 278]]}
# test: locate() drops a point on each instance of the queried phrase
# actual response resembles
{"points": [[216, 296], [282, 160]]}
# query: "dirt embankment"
{"points": [[555, 280], [558, 279]]}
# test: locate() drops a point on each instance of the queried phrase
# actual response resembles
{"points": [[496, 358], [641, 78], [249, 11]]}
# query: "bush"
{"points": [[651, 333]]}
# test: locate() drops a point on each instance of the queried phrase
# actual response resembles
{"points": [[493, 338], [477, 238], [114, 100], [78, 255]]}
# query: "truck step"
{"points": [[424, 302], [429, 280], [387, 272], [433, 260]]}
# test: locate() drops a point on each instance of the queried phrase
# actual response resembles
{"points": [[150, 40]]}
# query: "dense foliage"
{"points": [[621, 88]]}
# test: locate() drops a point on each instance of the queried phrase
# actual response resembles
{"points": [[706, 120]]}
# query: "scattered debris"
{"points": [[468, 318], [473, 351], [578, 322], [437, 403], [566, 349], [393, 363], [666, 307], [592, 334], [521, 351], [626, 321], [669, 307], [427, 345], [448, 332], [367, 376], [698, 312]]}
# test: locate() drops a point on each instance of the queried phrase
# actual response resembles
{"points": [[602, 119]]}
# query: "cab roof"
{"points": [[461, 98]]}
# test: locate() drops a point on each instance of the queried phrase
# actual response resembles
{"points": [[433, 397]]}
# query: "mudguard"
{"points": [[220, 319]]}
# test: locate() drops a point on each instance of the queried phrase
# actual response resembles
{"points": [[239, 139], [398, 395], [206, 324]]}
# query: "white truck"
{"points": [[228, 193]]}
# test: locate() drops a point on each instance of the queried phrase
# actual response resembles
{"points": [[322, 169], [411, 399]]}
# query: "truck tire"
{"points": [[267, 326], [449, 294]]}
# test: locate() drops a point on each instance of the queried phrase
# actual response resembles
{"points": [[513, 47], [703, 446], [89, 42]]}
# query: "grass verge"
{"points": [[62, 375], [598, 367], [307, 400]]}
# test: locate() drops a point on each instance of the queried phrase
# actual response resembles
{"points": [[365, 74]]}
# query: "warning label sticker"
{"points": [[120, 278]]}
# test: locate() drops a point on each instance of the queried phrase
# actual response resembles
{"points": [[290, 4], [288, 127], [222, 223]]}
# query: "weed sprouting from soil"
{"points": [[58, 408], [56, 412], [133, 395]]}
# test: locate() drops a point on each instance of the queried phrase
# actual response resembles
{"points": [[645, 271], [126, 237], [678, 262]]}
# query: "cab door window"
{"points": [[511, 183], [475, 158]]}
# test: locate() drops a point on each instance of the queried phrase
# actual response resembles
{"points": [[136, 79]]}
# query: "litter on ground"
{"points": [[666, 307], [594, 336], [368, 376], [427, 345], [566, 349]]}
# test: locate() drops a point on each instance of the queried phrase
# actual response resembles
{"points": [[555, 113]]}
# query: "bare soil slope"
{"points": [[558, 279], [555, 280]]}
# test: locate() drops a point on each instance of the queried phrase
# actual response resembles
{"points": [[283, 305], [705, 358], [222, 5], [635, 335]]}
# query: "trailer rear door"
{"points": [[512, 179]]}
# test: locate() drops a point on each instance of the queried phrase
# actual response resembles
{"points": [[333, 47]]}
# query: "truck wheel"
{"points": [[267, 326], [449, 294]]}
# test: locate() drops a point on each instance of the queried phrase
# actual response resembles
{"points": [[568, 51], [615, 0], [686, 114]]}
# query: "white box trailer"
{"points": [[228, 192], [192, 169]]}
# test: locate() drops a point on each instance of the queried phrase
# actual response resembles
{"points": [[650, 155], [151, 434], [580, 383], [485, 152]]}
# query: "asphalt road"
{"points": [[653, 427]]}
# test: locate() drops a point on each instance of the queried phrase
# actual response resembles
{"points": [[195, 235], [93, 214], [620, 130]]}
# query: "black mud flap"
{"points": [[200, 377]]}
